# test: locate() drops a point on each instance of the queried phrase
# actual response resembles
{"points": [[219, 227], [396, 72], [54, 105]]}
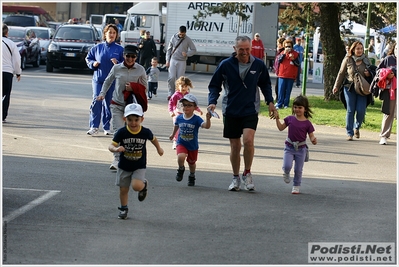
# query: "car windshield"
{"points": [[42, 34], [67, 33], [16, 34]]}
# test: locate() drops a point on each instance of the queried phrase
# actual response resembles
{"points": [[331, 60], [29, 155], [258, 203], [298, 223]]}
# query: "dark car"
{"points": [[70, 45], [22, 20], [27, 43]]}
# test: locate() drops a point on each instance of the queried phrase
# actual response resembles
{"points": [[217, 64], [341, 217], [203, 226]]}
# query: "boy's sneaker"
{"points": [[114, 165], [235, 184], [286, 177], [179, 175], [191, 180], [295, 190], [92, 131], [108, 132], [143, 192], [123, 213], [248, 183]]}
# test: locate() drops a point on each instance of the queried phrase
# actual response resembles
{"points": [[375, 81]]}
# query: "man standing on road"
{"points": [[179, 49], [241, 75], [11, 65], [148, 50]]}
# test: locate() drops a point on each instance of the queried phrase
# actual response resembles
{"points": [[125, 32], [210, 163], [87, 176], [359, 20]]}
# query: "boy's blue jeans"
{"points": [[290, 154], [355, 103]]}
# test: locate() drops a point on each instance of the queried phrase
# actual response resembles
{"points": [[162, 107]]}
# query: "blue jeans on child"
{"points": [[290, 154], [355, 103]]}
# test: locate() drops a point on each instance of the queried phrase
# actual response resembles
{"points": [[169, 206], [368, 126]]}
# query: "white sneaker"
{"points": [[295, 190], [235, 184], [286, 177], [114, 165], [248, 183], [383, 141], [108, 132], [92, 131]]}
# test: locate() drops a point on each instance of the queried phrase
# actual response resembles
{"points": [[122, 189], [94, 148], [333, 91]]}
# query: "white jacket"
{"points": [[11, 63]]}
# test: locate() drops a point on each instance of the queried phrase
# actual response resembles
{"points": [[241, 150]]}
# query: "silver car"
{"points": [[44, 35]]}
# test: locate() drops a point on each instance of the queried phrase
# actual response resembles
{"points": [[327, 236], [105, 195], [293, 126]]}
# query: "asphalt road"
{"points": [[60, 202]]}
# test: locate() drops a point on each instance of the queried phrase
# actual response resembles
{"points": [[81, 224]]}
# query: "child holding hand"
{"points": [[187, 125], [295, 145], [183, 85]]}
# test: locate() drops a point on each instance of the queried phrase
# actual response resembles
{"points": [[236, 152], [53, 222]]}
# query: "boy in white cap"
{"points": [[188, 124], [130, 142]]}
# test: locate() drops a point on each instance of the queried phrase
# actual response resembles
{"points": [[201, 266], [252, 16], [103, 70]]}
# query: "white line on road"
{"points": [[30, 205]]}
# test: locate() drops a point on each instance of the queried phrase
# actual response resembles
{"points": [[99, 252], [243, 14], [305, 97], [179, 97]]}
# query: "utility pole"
{"points": [[306, 57], [367, 41]]}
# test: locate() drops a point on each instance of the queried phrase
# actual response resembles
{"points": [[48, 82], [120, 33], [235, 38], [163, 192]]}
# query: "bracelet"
{"points": [[18, 75]]}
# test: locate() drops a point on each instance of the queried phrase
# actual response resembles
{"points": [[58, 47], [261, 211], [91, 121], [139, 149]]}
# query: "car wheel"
{"points": [[23, 62], [49, 68], [36, 64]]}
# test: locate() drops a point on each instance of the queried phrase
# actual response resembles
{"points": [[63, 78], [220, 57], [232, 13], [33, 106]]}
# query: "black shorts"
{"points": [[233, 127]]}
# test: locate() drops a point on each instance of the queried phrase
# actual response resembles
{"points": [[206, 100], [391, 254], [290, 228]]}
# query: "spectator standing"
{"points": [[101, 58], [295, 145], [129, 77], [354, 61], [180, 48], [11, 65], [148, 50], [300, 50], [280, 48], [131, 142], [241, 75], [287, 72], [388, 92], [188, 124], [119, 26], [258, 50]]}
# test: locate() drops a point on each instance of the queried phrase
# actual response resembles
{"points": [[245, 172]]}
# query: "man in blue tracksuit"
{"points": [[241, 75]]}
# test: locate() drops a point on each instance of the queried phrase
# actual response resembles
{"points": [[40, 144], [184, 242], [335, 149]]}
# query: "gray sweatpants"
{"points": [[177, 68]]}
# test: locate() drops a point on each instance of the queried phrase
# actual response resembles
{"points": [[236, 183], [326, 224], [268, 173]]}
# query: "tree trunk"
{"points": [[333, 47]]}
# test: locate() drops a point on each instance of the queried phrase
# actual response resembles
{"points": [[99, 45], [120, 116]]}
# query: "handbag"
{"points": [[362, 86]]}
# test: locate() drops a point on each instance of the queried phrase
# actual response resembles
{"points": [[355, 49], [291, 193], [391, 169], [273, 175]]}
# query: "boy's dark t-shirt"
{"points": [[135, 155]]}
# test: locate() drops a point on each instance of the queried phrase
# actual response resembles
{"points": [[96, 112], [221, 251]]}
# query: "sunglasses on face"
{"points": [[288, 47], [132, 56]]}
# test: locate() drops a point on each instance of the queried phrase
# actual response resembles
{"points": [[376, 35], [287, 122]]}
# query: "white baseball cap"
{"points": [[134, 109], [190, 98]]}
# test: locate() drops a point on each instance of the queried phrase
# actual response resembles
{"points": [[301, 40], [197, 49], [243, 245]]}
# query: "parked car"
{"points": [[45, 35], [23, 20], [28, 44], [70, 45]]}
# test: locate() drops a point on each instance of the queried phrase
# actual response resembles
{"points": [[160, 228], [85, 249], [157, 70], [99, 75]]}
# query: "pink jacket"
{"points": [[173, 105], [383, 81]]}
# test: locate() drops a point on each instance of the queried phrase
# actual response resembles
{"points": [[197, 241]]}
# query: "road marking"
{"points": [[30, 205]]}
